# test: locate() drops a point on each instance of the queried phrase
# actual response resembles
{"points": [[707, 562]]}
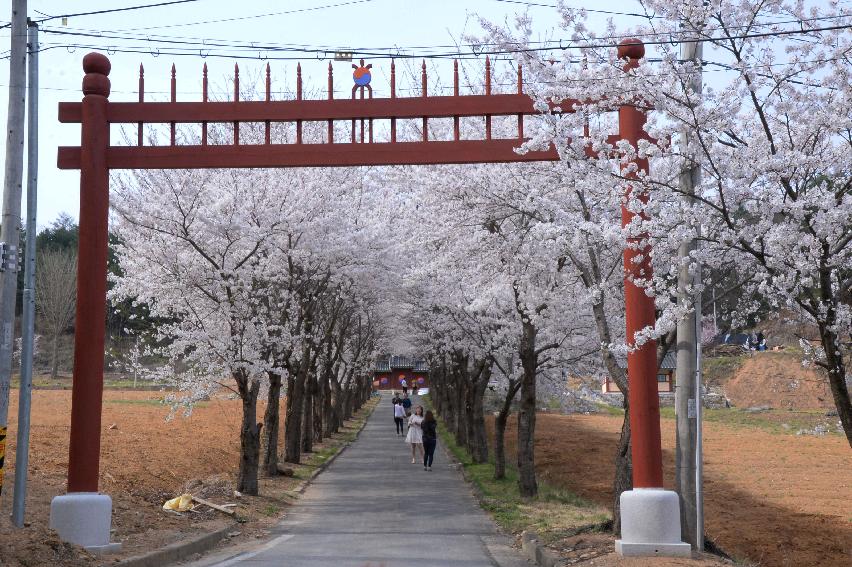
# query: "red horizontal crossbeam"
{"points": [[310, 110], [309, 155]]}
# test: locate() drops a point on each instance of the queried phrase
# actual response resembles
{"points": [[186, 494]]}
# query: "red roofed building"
{"points": [[389, 371]]}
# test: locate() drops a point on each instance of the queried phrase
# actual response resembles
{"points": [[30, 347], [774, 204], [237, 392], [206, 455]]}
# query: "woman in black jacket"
{"points": [[430, 439]]}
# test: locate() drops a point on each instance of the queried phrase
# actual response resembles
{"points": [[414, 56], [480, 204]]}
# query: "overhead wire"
{"points": [[241, 18], [404, 51], [591, 10], [112, 10], [389, 54]]}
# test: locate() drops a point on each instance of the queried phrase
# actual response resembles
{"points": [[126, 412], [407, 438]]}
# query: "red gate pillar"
{"points": [[83, 516], [639, 308], [650, 515]]}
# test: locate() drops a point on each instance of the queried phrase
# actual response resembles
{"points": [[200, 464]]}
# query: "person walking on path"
{"points": [[406, 404], [415, 433], [398, 417], [404, 385], [430, 439]]}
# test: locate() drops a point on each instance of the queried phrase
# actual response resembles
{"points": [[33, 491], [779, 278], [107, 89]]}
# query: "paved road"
{"points": [[372, 507]]}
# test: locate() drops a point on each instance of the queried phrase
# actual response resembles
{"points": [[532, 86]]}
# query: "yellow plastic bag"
{"points": [[180, 503]]}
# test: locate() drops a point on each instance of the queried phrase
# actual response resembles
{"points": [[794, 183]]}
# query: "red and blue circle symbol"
{"points": [[362, 76]]}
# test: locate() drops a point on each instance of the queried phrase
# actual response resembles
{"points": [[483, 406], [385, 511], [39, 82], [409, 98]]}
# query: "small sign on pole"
{"points": [[343, 56]]}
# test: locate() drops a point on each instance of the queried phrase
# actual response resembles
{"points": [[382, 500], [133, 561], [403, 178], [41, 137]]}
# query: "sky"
{"points": [[412, 27]]}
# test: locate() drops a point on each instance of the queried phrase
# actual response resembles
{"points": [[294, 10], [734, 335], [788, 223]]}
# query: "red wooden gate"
{"points": [[95, 157]]}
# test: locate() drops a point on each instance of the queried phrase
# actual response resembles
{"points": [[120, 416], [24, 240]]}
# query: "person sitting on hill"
{"points": [[761, 341]]}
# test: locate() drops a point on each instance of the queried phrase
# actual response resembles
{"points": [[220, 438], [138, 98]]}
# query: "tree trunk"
{"points": [[271, 422], [318, 407], [461, 384], [337, 405], [480, 438], [249, 436], [327, 407], [54, 356], [623, 470], [308, 415], [293, 419], [837, 379], [526, 416], [500, 445]]}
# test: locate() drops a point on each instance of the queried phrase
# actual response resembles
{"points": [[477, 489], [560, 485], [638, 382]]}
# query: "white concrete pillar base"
{"points": [[650, 524], [84, 519]]}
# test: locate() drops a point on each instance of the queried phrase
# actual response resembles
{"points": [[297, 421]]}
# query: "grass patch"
{"points": [[271, 511], [552, 514], [774, 421], [607, 409], [717, 370]]}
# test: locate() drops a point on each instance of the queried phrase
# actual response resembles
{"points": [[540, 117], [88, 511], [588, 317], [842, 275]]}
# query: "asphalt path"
{"points": [[373, 508]]}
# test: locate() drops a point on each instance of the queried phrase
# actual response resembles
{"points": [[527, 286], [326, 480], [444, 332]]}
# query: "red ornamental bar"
{"points": [[87, 389], [639, 310]]}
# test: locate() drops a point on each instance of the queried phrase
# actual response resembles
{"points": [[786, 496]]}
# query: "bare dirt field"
{"points": [[774, 499], [144, 461]]}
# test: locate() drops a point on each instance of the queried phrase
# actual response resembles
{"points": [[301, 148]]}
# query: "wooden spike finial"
{"points": [[236, 81], [298, 81], [455, 77], [174, 70], [268, 83], [520, 78], [141, 99], [204, 82], [393, 79], [487, 75], [330, 89], [423, 77]]}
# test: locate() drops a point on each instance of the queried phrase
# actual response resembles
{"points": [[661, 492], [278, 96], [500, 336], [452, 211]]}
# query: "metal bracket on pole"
{"points": [[8, 257]]}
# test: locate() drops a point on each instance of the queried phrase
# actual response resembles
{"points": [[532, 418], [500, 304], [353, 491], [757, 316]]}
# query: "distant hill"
{"points": [[777, 380]]}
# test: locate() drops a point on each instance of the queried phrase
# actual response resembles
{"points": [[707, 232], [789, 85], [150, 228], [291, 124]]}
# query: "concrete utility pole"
{"points": [[11, 216], [22, 453], [687, 387]]}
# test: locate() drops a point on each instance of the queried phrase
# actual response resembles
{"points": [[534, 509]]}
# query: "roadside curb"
{"points": [[537, 552], [205, 542], [178, 551]]}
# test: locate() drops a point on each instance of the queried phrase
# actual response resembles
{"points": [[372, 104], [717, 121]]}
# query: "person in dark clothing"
{"points": [[406, 404], [398, 417], [430, 439]]}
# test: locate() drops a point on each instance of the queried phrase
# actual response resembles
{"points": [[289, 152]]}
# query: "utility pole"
{"points": [[688, 347], [22, 453], [11, 215]]}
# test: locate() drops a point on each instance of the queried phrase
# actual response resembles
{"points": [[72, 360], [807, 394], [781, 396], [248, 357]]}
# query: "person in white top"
{"points": [[415, 433], [398, 416], [404, 385]]}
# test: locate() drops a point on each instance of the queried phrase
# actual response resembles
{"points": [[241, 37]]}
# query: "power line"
{"points": [[111, 10], [397, 51], [608, 12], [239, 18], [446, 55]]}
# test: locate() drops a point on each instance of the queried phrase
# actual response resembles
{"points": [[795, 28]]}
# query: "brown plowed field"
{"points": [[779, 500], [144, 461]]}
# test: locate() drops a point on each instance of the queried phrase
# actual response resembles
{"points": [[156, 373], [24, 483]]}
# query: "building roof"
{"points": [[394, 362], [669, 361]]}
